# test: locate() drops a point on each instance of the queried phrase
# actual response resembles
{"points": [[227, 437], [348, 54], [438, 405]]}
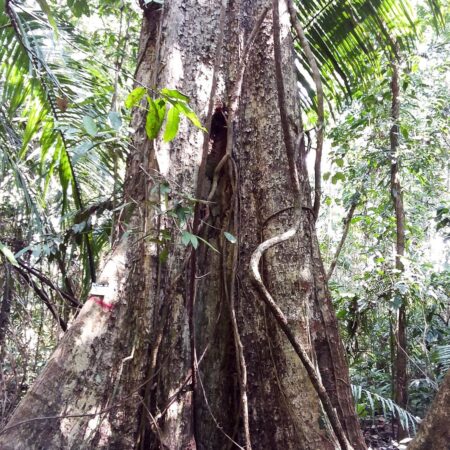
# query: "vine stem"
{"points": [[320, 102]]}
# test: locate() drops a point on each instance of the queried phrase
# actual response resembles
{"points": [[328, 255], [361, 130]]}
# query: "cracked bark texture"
{"points": [[135, 361]]}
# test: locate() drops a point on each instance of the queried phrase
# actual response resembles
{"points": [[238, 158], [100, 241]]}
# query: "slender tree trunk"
{"points": [[5, 309], [181, 353], [347, 221], [401, 361], [434, 431]]}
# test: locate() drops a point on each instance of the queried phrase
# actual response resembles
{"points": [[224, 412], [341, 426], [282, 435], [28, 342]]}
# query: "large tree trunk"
{"points": [[165, 353], [434, 432]]}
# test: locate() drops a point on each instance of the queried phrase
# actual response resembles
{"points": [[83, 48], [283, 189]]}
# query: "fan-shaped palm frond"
{"points": [[348, 37]]}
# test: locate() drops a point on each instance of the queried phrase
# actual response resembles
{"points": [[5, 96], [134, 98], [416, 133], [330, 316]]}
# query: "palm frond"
{"points": [[373, 400], [349, 37]]}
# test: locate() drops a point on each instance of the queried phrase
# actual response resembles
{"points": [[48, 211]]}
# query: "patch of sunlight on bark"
{"points": [[70, 427], [104, 428], [174, 63], [174, 410]]}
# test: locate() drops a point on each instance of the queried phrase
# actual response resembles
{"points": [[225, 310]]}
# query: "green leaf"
{"points": [[135, 96], [189, 238], [46, 9], [115, 120], [397, 301], [230, 237], [155, 117], [338, 176], [187, 111], [173, 121], [194, 241], [404, 131], [8, 254], [79, 7], [173, 93], [186, 237], [164, 188], [90, 126]]}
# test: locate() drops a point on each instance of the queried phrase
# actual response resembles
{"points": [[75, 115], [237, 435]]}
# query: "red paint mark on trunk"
{"points": [[99, 300]]}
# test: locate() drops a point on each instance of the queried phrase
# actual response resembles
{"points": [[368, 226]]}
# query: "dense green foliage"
{"points": [[367, 288]]}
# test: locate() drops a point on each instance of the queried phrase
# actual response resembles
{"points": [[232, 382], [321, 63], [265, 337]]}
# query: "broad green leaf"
{"points": [[8, 254], [164, 188], [404, 131], [155, 117], [135, 96], [173, 121], [194, 241], [172, 93], [397, 301], [230, 237], [189, 238], [90, 126]]}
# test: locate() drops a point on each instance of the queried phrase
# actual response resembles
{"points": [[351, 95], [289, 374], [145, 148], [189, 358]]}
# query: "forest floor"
{"points": [[379, 435]]}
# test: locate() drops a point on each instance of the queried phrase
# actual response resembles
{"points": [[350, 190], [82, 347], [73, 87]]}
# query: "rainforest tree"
{"points": [[210, 323]]}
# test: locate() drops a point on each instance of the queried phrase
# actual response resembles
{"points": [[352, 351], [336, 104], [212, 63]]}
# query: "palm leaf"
{"points": [[348, 38]]}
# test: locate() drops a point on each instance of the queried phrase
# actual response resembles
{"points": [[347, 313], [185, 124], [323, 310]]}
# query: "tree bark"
{"points": [[434, 431], [178, 349]]}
